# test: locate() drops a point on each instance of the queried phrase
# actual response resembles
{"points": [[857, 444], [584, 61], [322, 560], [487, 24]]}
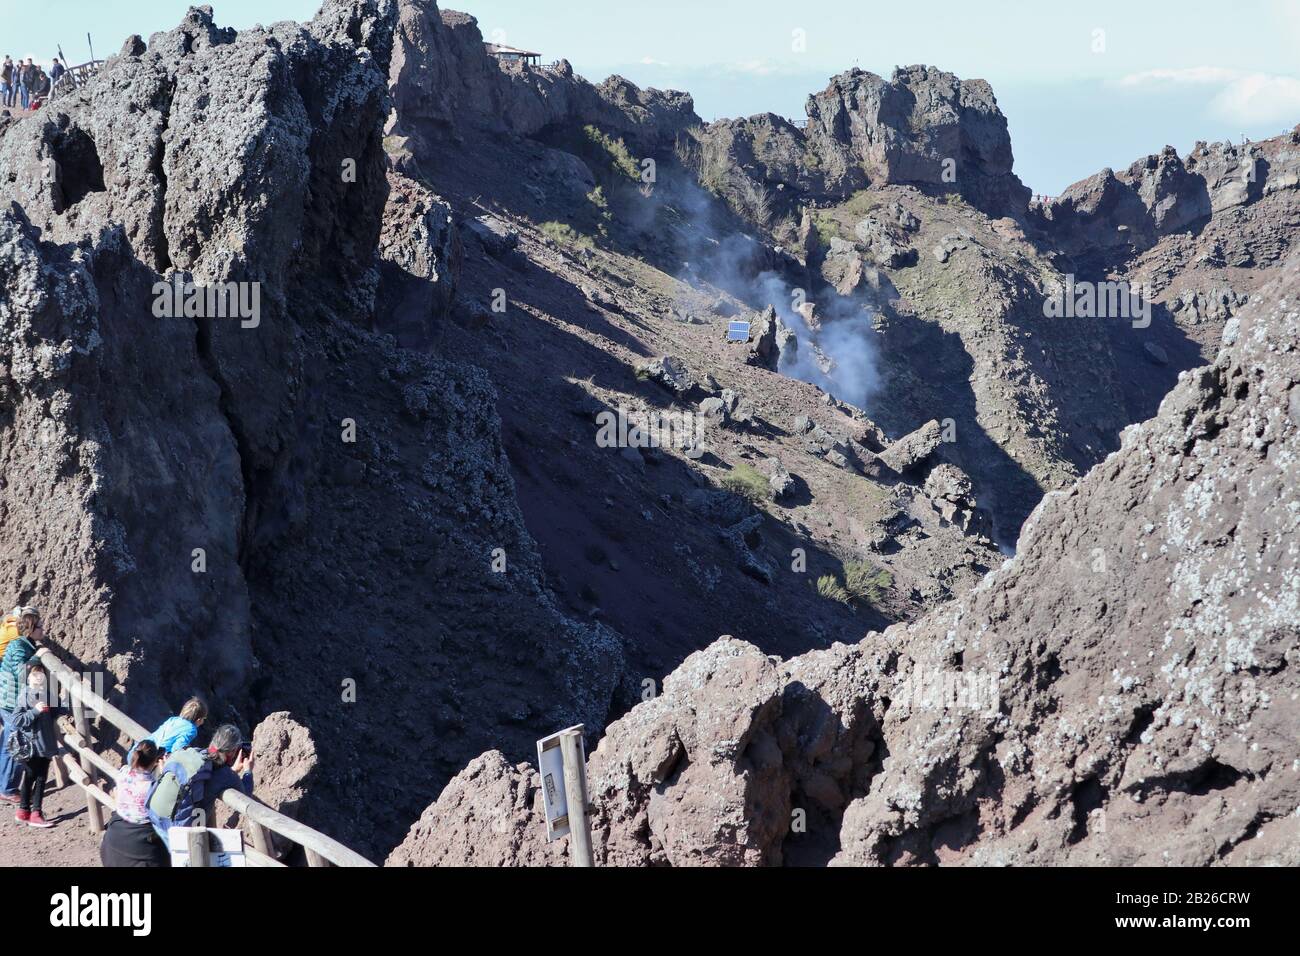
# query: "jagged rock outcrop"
{"points": [[444, 83], [1119, 214], [1123, 691], [197, 501], [911, 450], [921, 127], [420, 259]]}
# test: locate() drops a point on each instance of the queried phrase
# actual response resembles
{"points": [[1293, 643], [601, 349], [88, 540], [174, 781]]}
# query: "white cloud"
{"points": [[1249, 99], [651, 61], [1192, 76], [1259, 98]]}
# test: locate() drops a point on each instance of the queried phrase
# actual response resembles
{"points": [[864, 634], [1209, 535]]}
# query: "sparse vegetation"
{"points": [[620, 160], [859, 204], [827, 228], [748, 482], [754, 201], [829, 587], [865, 583], [565, 234]]}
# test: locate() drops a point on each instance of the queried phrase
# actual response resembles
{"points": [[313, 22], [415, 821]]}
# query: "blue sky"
{"points": [[1077, 99]]}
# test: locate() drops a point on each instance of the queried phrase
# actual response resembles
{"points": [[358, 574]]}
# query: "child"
{"points": [[129, 838], [177, 733], [134, 782], [34, 718]]}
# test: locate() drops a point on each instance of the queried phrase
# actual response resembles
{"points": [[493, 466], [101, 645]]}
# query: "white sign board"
{"points": [[228, 851], [550, 764]]}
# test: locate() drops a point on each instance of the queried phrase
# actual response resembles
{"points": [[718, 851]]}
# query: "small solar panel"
{"points": [[738, 332]]}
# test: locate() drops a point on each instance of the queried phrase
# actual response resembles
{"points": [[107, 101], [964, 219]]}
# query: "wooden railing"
{"points": [[90, 766], [74, 77]]}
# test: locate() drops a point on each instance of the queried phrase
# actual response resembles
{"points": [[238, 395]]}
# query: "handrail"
{"points": [[321, 850], [75, 77]]}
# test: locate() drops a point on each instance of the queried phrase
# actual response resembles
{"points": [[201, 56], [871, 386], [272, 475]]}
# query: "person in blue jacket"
{"points": [[178, 732]]}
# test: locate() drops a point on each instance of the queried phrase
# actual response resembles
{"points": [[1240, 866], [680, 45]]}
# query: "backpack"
{"points": [[20, 745], [171, 792]]}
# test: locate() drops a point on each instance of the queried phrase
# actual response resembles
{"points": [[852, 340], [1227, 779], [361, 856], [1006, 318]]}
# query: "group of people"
{"points": [[24, 83], [165, 782]]}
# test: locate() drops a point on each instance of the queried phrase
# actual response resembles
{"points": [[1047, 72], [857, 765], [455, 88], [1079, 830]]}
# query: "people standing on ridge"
{"points": [[130, 839], [33, 723], [20, 650], [193, 779], [26, 79]]}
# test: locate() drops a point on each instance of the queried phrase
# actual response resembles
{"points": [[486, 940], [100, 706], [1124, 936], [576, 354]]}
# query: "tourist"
{"points": [[130, 839], [7, 82], [56, 73], [193, 779], [33, 723], [26, 77], [12, 680]]}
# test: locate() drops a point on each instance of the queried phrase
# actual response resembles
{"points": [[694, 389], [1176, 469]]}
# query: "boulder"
{"points": [[670, 373], [779, 478], [911, 450], [497, 237]]}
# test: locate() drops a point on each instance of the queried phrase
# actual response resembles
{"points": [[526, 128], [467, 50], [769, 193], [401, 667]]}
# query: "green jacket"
{"points": [[13, 671]]}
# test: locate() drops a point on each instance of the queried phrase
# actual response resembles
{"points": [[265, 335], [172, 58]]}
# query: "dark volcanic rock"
{"points": [[921, 127], [1122, 692], [284, 513], [444, 82]]}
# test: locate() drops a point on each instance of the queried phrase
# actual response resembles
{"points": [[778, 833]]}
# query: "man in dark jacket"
{"points": [[56, 71], [26, 79], [8, 82]]}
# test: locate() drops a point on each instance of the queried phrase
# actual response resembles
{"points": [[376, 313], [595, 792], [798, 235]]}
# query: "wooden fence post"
{"points": [[198, 847], [261, 839], [60, 771], [94, 814], [575, 796]]}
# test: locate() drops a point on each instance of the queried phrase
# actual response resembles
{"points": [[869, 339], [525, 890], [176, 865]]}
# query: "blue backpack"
{"points": [[170, 801]]}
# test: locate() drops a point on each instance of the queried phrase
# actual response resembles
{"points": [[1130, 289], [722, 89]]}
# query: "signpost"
{"points": [[562, 762], [199, 846]]}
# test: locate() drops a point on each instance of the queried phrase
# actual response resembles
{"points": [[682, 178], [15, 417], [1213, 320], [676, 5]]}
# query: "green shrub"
{"points": [[859, 204], [748, 482], [827, 228], [563, 233], [620, 160], [829, 587], [866, 584]]}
